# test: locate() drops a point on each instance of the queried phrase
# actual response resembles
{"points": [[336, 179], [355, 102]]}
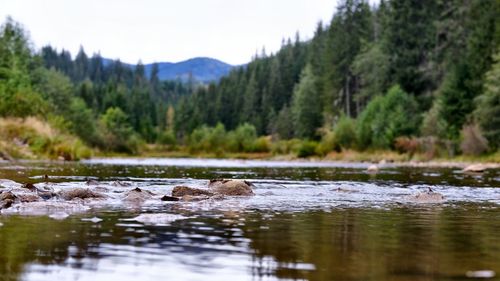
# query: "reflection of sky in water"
{"points": [[307, 221]]}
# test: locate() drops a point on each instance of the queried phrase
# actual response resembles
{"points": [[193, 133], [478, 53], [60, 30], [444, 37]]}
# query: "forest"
{"points": [[415, 77]]}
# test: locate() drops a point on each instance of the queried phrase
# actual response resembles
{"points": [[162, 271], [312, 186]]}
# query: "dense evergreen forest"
{"points": [[413, 76]]}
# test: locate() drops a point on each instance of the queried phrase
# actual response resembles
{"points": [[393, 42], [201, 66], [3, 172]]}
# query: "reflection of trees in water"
{"points": [[45, 241], [355, 244], [404, 243]]}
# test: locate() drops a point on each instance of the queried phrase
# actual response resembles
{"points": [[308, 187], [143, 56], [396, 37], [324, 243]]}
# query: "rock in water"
{"points": [[372, 168], [7, 196], [29, 186], [475, 168], [191, 198], [169, 198], [427, 197], [138, 196], [29, 198], [231, 187], [82, 193], [180, 191], [4, 204]]}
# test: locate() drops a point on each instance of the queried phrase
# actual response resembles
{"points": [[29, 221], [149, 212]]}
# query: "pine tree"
{"points": [[306, 106], [410, 37], [350, 28], [487, 110]]}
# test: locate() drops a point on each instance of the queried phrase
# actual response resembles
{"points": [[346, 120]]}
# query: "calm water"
{"points": [[308, 221]]}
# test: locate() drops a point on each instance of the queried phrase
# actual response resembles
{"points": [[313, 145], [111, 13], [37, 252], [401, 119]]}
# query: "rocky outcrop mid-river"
{"points": [[42, 198], [66, 198]]}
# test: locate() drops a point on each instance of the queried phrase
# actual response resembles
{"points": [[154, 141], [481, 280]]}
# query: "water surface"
{"points": [[308, 221]]}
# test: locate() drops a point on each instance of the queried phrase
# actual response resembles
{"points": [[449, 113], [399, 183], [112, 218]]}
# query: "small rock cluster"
{"points": [[28, 194]]}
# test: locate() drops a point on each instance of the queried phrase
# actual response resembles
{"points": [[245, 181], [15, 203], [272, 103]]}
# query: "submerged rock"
{"points": [[191, 198], [231, 187], [180, 191], [82, 193], [137, 196], [427, 197], [29, 198]]}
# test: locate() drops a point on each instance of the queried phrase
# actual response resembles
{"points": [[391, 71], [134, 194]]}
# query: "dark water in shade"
{"points": [[298, 226]]}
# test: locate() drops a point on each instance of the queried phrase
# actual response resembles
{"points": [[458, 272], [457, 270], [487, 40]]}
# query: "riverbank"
{"points": [[349, 156], [33, 139]]}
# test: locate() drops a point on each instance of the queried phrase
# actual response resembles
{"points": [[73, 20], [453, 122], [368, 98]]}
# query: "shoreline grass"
{"points": [[372, 156]]}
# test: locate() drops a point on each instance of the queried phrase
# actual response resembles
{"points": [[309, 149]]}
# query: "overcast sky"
{"points": [[168, 30]]}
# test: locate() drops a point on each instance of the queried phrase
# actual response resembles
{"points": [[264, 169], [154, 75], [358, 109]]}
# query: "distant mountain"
{"points": [[203, 69]]}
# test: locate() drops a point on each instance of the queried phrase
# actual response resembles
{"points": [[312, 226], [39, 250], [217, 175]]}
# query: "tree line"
{"points": [[404, 74], [396, 75], [108, 104]]}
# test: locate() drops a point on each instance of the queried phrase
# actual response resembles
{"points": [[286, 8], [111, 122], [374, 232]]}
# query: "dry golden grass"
{"points": [[31, 138]]}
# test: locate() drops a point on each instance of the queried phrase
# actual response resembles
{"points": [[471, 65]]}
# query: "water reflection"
{"points": [[342, 244], [305, 223]]}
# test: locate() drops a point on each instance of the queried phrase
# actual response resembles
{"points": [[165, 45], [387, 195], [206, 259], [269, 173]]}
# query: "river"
{"points": [[307, 221]]}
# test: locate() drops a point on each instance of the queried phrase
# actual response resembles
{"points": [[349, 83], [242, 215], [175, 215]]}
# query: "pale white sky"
{"points": [[168, 30]]}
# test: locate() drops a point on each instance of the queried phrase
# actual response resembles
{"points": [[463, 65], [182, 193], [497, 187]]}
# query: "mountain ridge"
{"points": [[202, 69]]}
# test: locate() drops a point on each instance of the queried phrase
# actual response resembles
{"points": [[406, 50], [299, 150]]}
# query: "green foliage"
{"points": [[262, 144], [117, 133], [83, 122], [437, 51], [306, 106], [283, 124], [208, 139], [345, 133], [386, 118], [55, 88], [167, 138], [433, 124], [17, 98], [466, 78], [22, 102], [243, 138], [327, 144], [284, 147], [371, 66], [216, 139], [409, 40], [487, 110], [307, 149], [350, 28]]}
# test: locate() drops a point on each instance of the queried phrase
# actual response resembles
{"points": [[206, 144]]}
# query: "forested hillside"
{"points": [[413, 76], [107, 104], [403, 75]]}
